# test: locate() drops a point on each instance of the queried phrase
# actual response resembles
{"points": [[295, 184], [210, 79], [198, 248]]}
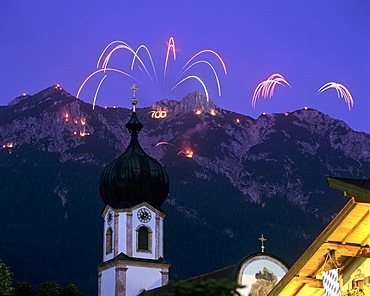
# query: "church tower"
{"points": [[133, 188]]}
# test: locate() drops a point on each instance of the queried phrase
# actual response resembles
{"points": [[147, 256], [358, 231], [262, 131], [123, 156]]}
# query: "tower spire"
{"points": [[134, 125], [133, 187], [134, 100]]}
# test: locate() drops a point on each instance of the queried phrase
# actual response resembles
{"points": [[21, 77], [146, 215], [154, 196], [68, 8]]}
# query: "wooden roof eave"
{"points": [[348, 188], [313, 248]]}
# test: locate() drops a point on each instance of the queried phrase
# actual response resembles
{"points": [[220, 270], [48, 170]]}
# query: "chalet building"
{"points": [[342, 246]]}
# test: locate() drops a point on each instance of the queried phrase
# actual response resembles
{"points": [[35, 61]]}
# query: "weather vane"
{"points": [[262, 239], [134, 100]]}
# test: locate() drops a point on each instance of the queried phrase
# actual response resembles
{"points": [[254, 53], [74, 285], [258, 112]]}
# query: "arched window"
{"points": [[143, 238], [108, 241]]}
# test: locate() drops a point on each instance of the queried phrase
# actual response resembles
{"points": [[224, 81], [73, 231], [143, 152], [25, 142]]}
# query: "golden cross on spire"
{"points": [[134, 101], [262, 239]]}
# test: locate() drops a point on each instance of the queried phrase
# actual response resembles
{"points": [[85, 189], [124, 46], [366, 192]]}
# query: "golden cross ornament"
{"points": [[262, 239]]}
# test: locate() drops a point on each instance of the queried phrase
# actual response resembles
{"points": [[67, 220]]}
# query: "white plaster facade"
{"points": [[126, 269]]}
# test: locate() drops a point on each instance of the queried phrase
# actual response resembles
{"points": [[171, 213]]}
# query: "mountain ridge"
{"points": [[245, 135], [245, 177]]}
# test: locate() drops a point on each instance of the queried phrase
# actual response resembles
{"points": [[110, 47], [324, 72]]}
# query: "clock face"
{"points": [[144, 215], [110, 217]]}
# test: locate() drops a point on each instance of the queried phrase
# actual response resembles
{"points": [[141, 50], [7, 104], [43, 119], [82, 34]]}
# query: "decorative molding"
{"points": [[165, 277], [129, 234], [115, 234], [106, 209], [99, 283], [129, 263], [108, 241], [143, 204], [157, 235], [120, 281]]}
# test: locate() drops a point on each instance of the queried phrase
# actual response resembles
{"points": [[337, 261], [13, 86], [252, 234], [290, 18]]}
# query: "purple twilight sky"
{"points": [[308, 42]]}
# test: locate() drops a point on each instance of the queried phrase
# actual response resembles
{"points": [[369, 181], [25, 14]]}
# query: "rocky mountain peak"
{"points": [[53, 93], [18, 99], [195, 101]]}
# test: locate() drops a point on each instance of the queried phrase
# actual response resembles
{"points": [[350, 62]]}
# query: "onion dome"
{"points": [[134, 177]]}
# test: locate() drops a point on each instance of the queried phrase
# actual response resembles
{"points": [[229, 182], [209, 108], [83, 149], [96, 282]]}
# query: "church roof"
{"points": [[224, 273], [134, 177], [229, 273]]}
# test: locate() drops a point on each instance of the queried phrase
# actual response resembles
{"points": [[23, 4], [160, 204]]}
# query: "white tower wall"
{"points": [[121, 273]]}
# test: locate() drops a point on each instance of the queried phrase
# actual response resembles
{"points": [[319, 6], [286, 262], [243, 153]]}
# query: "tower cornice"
{"points": [[160, 212]]}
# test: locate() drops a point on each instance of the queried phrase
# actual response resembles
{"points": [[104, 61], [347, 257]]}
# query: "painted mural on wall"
{"points": [[358, 282], [259, 274]]}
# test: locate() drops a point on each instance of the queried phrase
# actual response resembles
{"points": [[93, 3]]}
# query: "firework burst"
{"points": [[342, 91], [266, 88], [150, 73]]}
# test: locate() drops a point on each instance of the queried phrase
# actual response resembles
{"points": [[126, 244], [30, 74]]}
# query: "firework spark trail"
{"points": [[106, 48], [97, 90], [266, 88], [164, 143], [197, 78], [188, 152], [213, 69], [211, 51], [97, 71], [342, 91], [171, 45], [270, 84], [150, 58], [107, 58]]}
